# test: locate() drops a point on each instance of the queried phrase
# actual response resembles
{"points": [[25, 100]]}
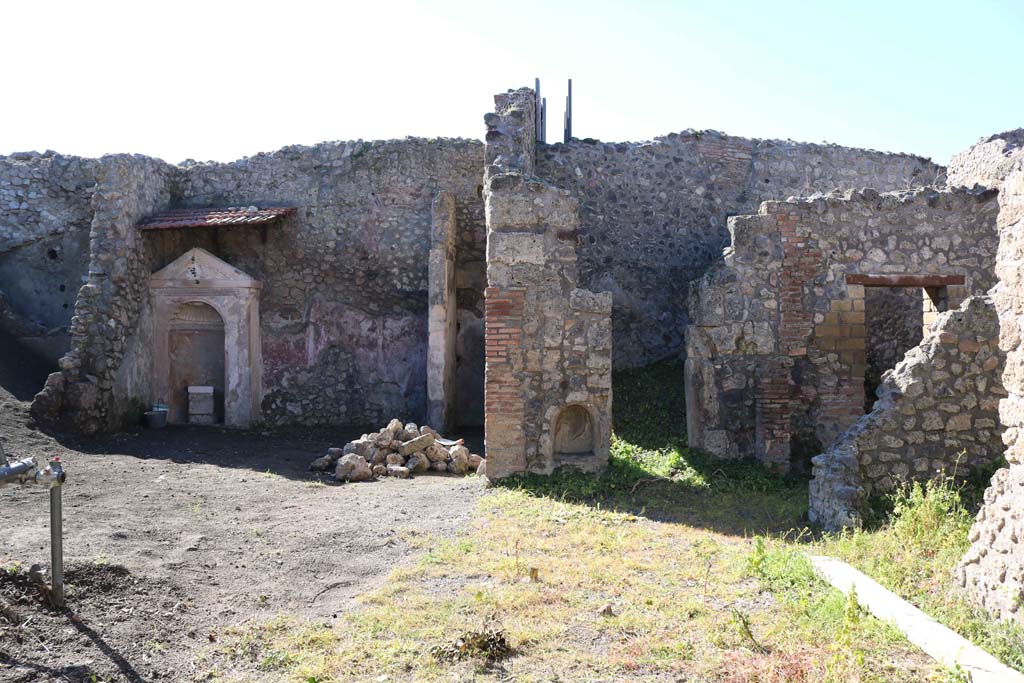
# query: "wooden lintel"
{"points": [[903, 280]]}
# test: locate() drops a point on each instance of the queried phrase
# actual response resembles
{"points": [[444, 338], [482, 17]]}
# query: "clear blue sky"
{"points": [[220, 80]]}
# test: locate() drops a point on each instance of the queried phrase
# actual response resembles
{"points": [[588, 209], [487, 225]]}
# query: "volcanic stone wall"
{"points": [[344, 298], [776, 352], [993, 568], [345, 282], [989, 161], [105, 378], [937, 414], [45, 215], [653, 214]]}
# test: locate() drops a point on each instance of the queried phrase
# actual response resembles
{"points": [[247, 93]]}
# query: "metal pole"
{"points": [[54, 477], [539, 104], [544, 119], [57, 546], [567, 134]]}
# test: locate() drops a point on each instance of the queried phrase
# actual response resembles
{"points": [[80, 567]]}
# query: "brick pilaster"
{"points": [[503, 391]]}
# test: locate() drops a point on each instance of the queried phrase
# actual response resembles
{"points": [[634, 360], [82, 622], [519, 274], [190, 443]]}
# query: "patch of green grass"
{"points": [[651, 469], [575, 588], [783, 568]]}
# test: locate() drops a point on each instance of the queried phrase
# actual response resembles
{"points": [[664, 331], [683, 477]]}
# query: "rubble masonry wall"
{"points": [[776, 351], [937, 414], [344, 299], [345, 281], [653, 214], [992, 571], [45, 216]]}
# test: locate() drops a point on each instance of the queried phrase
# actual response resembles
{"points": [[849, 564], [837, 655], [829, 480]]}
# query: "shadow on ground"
{"points": [[100, 625], [285, 451], [654, 474]]}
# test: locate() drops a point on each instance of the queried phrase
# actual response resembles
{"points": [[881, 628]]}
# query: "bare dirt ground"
{"points": [[172, 536]]}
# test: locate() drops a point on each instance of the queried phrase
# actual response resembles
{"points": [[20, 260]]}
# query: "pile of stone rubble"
{"points": [[398, 451]]}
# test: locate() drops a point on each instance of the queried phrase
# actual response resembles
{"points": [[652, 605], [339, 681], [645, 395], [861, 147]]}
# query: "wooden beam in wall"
{"points": [[903, 280]]}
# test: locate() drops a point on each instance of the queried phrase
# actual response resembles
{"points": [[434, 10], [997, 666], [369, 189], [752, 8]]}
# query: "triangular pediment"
{"points": [[199, 267]]}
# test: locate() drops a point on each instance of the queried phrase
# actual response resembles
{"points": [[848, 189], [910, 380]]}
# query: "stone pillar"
{"points": [[548, 371], [441, 315], [548, 342]]}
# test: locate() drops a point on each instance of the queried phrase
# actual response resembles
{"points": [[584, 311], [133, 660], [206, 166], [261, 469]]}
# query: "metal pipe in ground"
{"points": [[57, 546], [52, 477]]}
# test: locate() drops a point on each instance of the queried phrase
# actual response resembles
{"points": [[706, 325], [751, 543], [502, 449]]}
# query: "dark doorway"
{"points": [[894, 324], [196, 347]]}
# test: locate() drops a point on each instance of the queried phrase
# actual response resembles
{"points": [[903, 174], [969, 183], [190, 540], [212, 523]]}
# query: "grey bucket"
{"points": [[155, 419]]}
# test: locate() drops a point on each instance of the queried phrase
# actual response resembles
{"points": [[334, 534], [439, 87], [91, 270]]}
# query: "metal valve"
{"points": [[51, 477]]}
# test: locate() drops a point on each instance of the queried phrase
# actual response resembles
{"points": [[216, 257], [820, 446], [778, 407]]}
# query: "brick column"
{"points": [[773, 411], [503, 393], [777, 396]]}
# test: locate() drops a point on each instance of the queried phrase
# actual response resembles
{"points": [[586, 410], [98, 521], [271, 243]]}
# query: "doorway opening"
{"points": [[893, 324], [897, 309]]}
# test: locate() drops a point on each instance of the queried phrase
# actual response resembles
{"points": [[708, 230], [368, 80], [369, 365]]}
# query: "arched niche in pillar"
{"points": [[186, 294], [574, 432]]}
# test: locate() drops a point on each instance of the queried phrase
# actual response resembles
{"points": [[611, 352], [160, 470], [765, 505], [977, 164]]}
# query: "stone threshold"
{"points": [[939, 642]]}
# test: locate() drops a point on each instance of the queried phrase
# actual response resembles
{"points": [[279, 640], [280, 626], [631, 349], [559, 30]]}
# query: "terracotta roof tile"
{"points": [[200, 218]]}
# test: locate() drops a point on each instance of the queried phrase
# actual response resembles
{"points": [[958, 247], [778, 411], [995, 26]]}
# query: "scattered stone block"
{"points": [[398, 471], [415, 445], [353, 467], [418, 463], [322, 464], [436, 453], [459, 459], [389, 453]]}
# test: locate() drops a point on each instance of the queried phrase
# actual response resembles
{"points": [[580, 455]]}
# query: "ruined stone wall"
{"points": [[992, 571], [989, 161], [937, 413], [653, 214], [344, 299], [345, 281], [105, 378], [548, 377], [776, 351], [45, 216]]}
